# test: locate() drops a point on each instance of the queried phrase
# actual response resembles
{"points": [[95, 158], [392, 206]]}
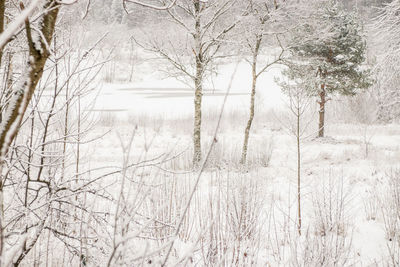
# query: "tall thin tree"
{"points": [[205, 25], [257, 28]]}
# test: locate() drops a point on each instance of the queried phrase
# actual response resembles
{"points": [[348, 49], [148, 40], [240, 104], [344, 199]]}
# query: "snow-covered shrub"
{"points": [[227, 155], [330, 210], [151, 122], [107, 119], [327, 240], [263, 154], [221, 228], [371, 206], [233, 218], [391, 216], [109, 71], [312, 250]]}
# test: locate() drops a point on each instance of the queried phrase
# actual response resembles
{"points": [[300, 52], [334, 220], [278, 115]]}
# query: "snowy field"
{"points": [[346, 176], [200, 133], [136, 151]]}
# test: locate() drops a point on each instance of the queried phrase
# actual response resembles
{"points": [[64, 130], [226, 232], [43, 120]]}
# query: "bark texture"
{"points": [[198, 95], [21, 96], [322, 102], [2, 20], [252, 100], [35, 65]]}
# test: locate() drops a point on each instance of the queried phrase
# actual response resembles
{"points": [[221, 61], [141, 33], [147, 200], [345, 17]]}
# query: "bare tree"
{"points": [[259, 27], [204, 25], [386, 41], [37, 192], [38, 41], [299, 104]]}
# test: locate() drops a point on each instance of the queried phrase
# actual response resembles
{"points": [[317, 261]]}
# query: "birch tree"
{"points": [[258, 29], [205, 28]]}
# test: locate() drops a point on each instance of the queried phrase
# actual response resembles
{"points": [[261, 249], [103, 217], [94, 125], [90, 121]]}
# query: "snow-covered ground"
{"points": [[344, 186]]}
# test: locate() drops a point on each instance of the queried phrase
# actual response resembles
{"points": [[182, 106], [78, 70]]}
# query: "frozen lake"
{"points": [[173, 98]]}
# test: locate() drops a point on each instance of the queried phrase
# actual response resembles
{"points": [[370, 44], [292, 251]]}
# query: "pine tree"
{"points": [[327, 54]]}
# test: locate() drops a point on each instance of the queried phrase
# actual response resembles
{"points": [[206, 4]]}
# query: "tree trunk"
{"points": [[252, 99], [322, 103], [198, 84], [24, 92], [250, 121], [22, 95], [2, 20], [8, 82], [298, 171], [197, 119]]}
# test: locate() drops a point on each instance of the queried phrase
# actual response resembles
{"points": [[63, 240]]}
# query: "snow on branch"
{"points": [[17, 23], [165, 7]]}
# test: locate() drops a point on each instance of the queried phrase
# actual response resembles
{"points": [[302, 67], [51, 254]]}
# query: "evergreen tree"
{"points": [[326, 55]]}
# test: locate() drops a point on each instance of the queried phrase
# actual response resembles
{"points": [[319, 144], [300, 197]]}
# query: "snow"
{"points": [[172, 98], [15, 25], [244, 215], [338, 157], [161, 109]]}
